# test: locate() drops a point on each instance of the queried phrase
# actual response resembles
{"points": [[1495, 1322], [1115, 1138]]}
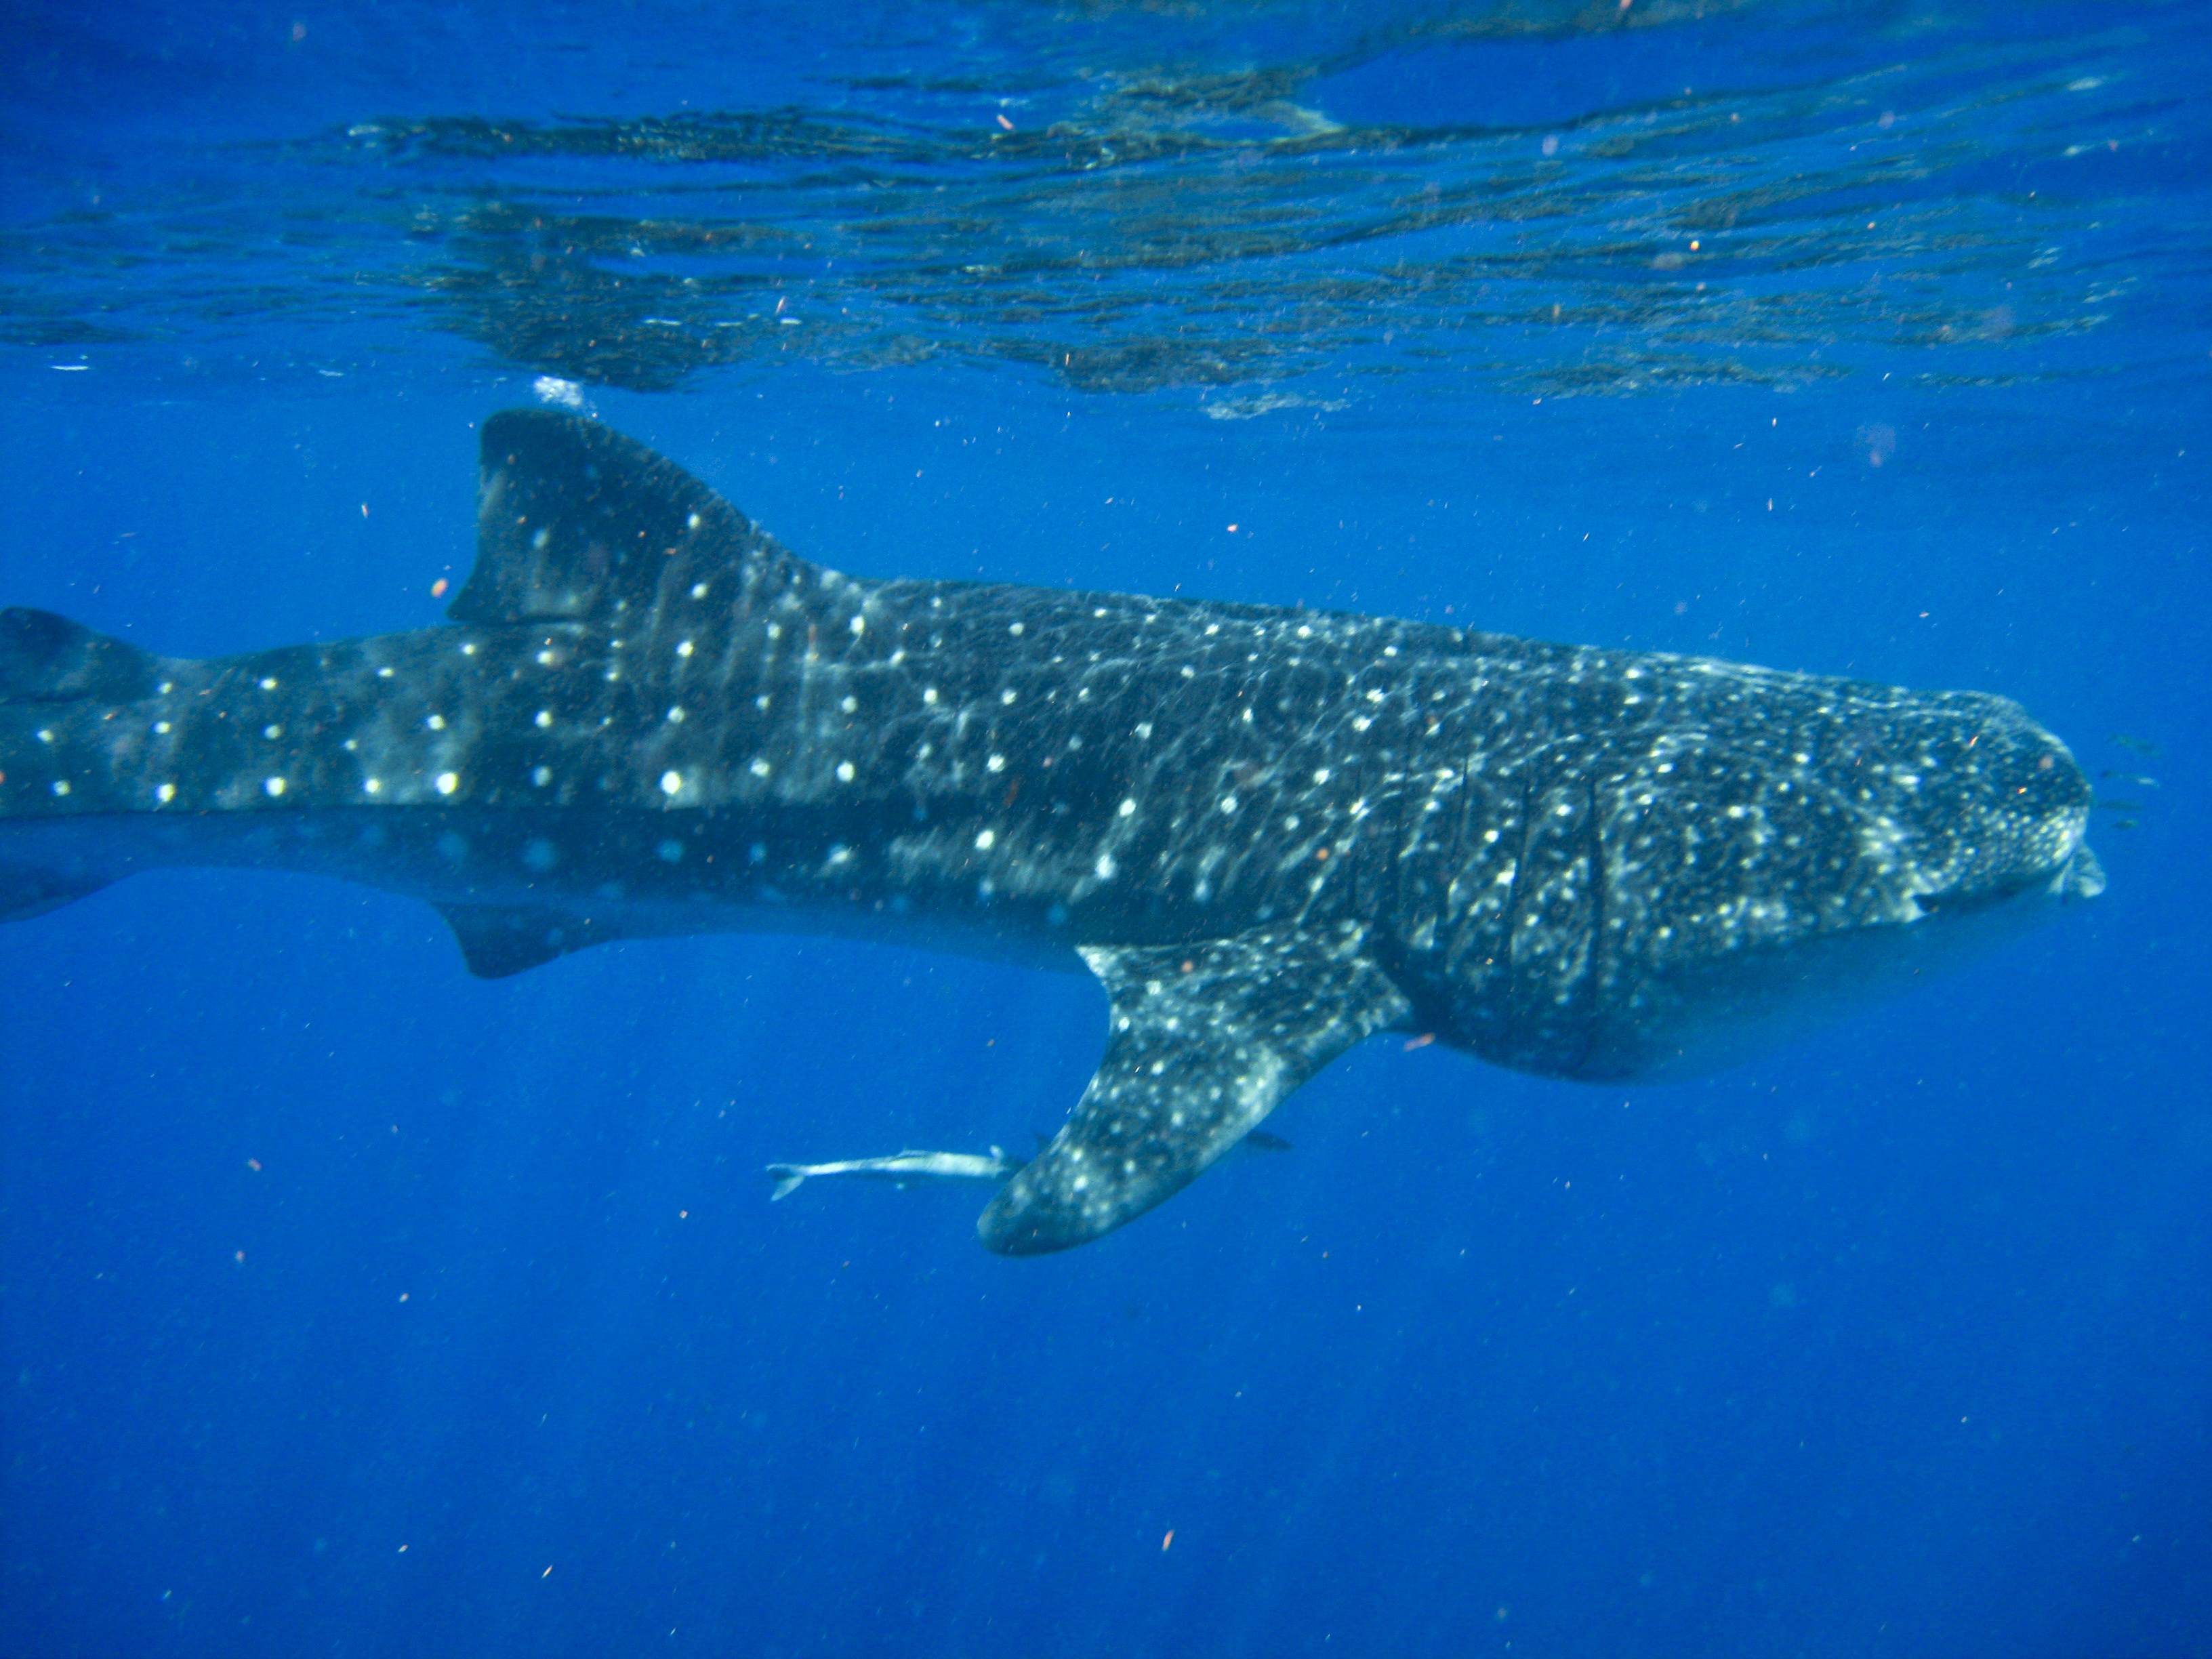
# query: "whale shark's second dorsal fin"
{"points": [[499, 939], [576, 523], [44, 658]]}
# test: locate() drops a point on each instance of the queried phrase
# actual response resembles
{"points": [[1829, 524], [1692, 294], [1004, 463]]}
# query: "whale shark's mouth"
{"points": [[2082, 877], [2049, 861], [1710, 1014], [2075, 877]]}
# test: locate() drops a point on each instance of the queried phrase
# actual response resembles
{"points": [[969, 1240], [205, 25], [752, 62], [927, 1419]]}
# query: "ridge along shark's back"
{"points": [[1268, 833]]}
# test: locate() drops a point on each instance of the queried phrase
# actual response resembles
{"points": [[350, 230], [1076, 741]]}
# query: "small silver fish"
{"points": [[903, 1169]]}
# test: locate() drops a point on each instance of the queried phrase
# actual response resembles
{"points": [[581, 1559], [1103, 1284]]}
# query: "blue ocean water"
{"points": [[350, 1306]]}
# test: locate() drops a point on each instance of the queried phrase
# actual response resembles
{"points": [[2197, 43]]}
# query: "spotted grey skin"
{"points": [[1269, 833]]}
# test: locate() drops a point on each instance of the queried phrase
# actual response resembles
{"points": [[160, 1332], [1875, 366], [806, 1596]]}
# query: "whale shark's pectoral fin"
{"points": [[1205, 1040]]}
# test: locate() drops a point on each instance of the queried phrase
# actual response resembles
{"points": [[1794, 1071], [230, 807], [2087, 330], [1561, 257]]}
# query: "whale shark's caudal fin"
{"points": [[1205, 1040], [575, 521]]}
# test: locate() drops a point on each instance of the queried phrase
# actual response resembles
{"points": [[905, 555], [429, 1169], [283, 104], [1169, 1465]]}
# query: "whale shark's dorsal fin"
{"points": [[1205, 1040], [577, 523]]}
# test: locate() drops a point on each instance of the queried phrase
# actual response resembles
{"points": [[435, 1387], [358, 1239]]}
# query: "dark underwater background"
{"points": [[352, 1306]]}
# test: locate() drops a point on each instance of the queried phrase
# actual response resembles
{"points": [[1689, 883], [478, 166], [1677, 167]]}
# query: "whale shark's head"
{"points": [[1802, 847]]}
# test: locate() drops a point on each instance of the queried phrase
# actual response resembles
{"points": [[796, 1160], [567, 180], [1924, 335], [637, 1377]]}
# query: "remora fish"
{"points": [[1269, 833], [903, 1168], [900, 1168]]}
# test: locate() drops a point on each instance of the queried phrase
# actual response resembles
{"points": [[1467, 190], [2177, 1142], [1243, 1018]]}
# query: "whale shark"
{"points": [[1269, 833]]}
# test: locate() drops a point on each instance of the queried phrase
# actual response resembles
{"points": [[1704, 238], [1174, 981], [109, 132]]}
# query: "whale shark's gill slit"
{"points": [[1597, 878], [1462, 841], [1513, 999]]}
